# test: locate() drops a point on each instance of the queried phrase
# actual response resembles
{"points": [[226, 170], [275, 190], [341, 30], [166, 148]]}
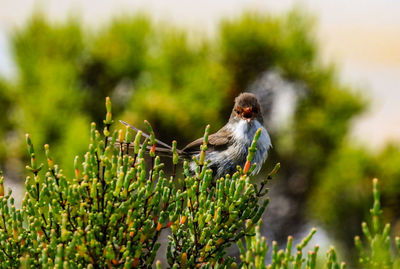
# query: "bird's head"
{"points": [[247, 108]]}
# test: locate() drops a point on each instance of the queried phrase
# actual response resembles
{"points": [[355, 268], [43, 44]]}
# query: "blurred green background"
{"points": [[180, 83]]}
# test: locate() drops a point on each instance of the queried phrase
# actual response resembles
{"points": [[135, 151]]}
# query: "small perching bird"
{"points": [[228, 147]]}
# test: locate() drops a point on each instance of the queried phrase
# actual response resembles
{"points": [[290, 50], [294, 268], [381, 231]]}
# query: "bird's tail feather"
{"points": [[146, 135], [163, 150]]}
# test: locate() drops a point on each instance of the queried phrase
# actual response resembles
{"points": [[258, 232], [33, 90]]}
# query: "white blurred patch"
{"points": [[7, 67], [277, 98]]}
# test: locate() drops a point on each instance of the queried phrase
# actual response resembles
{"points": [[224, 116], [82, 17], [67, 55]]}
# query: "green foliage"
{"points": [[349, 176], [257, 42], [349, 188], [378, 251], [253, 256], [105, 216], [111, 213], [46, 100], [5, 123]]}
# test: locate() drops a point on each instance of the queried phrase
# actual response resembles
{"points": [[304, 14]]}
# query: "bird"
{"points": [[228, 147]]}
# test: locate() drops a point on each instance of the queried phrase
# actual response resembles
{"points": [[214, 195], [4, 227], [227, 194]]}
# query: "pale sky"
{"points": [[361, 36]]}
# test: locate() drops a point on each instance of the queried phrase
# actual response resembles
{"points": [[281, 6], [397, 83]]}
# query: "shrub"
{"points": [[113, 210], [377, 252]]}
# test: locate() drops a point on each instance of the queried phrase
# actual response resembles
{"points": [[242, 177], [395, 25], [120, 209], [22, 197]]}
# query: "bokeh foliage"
{"points": [[183, 82]]}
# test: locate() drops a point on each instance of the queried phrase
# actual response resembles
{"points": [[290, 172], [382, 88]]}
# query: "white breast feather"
{"points": [[243, 134]]}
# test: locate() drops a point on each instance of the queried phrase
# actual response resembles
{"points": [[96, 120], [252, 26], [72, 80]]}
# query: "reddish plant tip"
{"points": [[183, 220], [135, 262], [246, 167]]}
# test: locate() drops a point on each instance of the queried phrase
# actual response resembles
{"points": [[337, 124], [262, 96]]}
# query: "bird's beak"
{"points": [[247, 114]]}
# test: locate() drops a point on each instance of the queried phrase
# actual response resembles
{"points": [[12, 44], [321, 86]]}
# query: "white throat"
{"points": [[243, 133]]}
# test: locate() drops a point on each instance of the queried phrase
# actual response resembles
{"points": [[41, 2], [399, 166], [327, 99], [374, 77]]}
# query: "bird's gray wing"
{"points": [[218, 141]]}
